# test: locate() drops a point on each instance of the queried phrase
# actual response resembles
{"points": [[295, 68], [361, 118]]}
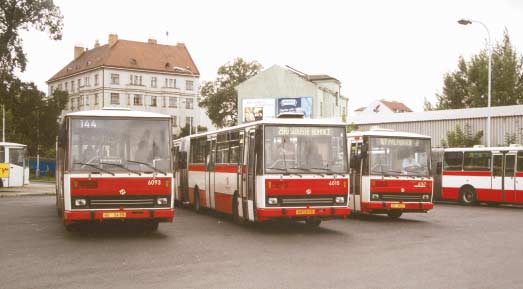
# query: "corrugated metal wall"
{"points": [[437, 129]]}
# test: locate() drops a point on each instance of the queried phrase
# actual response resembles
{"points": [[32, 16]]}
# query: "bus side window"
{"points": [[453, 161], [520, 162]]}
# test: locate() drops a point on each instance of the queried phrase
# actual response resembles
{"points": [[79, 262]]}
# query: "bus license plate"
{"points": [[397, 206], [306, 212], [110, 215]]}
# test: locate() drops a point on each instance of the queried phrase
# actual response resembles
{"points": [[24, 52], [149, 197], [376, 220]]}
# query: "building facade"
{"points": [[506, 122], [144, 76], [278, 90], [384, 107]]}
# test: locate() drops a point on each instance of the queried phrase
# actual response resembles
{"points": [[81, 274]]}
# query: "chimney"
{"points": [[152, 41], [113, 38], [78, 50], [96, 43]]}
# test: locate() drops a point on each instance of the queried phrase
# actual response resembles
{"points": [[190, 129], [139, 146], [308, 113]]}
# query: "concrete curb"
{"points": [[21, 194]]}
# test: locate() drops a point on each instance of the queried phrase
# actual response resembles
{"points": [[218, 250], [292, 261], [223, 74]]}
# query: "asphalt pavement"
{"points": [[450, 247]]}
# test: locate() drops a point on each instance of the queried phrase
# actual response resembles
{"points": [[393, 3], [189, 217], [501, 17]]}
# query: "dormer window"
{"points": [[133, 61], [167, 65]]}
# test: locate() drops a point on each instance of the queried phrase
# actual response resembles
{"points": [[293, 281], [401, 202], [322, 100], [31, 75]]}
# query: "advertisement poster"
{"points": [[257, 109], [296, 104]]}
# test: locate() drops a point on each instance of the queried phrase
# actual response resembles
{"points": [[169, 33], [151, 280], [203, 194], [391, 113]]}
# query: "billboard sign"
{"points": [[296, 104], [257, 109]]}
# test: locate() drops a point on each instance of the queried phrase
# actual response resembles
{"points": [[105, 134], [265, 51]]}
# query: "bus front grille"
{"points": [[116, 203], [306, 201], [401, 197]]}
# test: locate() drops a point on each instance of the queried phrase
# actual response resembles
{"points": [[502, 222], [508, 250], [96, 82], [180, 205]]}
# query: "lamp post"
{"points": [[467, 22]]}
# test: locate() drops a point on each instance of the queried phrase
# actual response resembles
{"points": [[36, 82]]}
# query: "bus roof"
{"points": [[12, 144], [385, 133], [275, 121], [482, 149], [115, 112]]}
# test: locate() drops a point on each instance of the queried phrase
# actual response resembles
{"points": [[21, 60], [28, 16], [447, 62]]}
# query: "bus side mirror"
{"points": [[439, 168]]}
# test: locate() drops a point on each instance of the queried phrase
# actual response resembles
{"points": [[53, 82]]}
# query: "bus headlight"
{"points": [[425, 197], [375, 196], [272, 201], [161, 201], [80, 202], [340, 200]]}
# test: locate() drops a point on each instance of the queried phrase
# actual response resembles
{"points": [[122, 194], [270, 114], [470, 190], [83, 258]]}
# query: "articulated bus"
{"points": [[271, 169], [492, 175], [114, 165], [390, 172]]}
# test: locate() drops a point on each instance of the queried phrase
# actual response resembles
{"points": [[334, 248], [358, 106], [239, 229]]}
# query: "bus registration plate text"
{"points": [[397, 206], [110, 215], [306, 212]]}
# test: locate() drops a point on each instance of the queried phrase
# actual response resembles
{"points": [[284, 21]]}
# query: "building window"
{"points": [[79, 84], [96, 79], [66, 86], [135, 79], [137, 99], [189, 85], [115, 78], [72, 85], [175, 120], [164, 101], [72, 103], [96, 99], [173, 101], [188, 121], [52, 89], [153, 81], [189, 103], [170, 82], [115, 98], [87, 100], [86, 81], [59, 86], [153, 100]]}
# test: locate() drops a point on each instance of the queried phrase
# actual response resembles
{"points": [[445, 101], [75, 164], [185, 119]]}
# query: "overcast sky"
{"points": [[394, 50]]}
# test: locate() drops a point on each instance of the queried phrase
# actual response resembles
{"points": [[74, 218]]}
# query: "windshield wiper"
{"points": [[149, 165], [121, 166], [94, 166]]}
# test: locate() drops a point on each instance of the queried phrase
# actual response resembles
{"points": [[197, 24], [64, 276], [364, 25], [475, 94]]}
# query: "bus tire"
{"points": [[235, 212], [467, 196], [313, 222], [394, 214], [197, 205]]}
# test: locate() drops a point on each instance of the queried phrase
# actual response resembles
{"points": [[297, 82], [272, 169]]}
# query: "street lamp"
{"points": [[467, 22]]}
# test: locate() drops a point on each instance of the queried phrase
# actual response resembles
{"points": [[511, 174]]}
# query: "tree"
{"points": [[468, 85], [185, 131], [219, 96], [462, 138], [16, 15]]}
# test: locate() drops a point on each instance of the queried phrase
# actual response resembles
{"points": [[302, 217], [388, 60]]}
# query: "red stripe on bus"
{"points": [[400, 186], [71, 216], [450, 193], [223, 202], [519, 174], [412, 206], [226, 168], [282, 187], [274, 213], [120, 186], [197, 168], [467, 173]]}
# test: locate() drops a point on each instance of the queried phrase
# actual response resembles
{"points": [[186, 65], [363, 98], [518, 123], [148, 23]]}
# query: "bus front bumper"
{"points": [[301, 213], [160, 215], [383, 207]]}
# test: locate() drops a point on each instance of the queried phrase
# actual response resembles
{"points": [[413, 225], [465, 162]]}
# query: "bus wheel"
{"points": [[467, 196], [197, 206], [313, 222], [394, 214]]}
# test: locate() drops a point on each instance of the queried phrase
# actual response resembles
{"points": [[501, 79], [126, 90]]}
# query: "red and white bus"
{"points": [[390, 172], [482, 174], [114, 164], [270, 169]]}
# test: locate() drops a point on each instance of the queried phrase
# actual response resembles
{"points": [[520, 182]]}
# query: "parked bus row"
{"points": [[121, 165]]}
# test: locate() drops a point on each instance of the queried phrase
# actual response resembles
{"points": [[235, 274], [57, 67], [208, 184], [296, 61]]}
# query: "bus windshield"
{"points": [[399, 156], [120, 144], [305, 149]]}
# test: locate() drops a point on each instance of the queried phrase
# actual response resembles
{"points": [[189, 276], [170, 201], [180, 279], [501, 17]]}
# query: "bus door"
{"points": [[355, 176], [241, 175], [16, 166], [503, 182], [209, 172], [519, 177], [248, 176]]}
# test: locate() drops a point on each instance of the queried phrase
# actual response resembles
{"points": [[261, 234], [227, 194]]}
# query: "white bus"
{"points": [[114, 165], [482, 174], [14, 170], [390, 172], [270, 169]]}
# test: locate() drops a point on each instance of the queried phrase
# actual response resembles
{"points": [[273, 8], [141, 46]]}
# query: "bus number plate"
{"points": [[111, 215], [306, 212], [397, 206]]}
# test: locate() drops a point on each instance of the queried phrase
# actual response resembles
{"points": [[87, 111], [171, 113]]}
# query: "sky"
{"points": [[393, 50]]}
